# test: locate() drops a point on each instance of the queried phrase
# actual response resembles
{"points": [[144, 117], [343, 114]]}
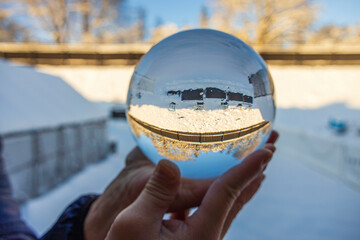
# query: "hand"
{"points": [[226, 196], [127, 186]]}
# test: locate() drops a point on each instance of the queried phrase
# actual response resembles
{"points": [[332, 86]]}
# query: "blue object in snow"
{"points": [[339, 126]]}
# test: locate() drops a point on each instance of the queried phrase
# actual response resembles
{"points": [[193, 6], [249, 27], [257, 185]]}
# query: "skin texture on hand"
{"points": [[166, 192], [127, 186]]}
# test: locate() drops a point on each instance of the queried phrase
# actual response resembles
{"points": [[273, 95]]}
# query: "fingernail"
{"points": [[263, 176], [271, 147], [265, 167], [267, 157], [260, 178], [277, 135]]}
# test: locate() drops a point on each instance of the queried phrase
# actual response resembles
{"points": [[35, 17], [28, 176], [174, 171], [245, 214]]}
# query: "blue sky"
{"points": [[181, 12]]}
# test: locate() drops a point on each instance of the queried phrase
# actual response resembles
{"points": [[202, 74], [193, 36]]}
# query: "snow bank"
{"points": [[306, 98], [295, 86], [101, 84], [310, 140], [30, 99], [294, 201], [316, 86]]}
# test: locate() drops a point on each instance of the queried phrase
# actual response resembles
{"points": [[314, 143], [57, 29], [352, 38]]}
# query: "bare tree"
{"points": [[265, 21], [50, 16], [333, 34], [100, 18], [330, 33], [133, 28], [89, 21], [10, 30], [204, 17], [141, 27], [163, 30]]}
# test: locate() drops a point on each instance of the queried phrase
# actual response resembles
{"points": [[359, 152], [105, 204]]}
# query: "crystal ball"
{"points": [[203, 99]]}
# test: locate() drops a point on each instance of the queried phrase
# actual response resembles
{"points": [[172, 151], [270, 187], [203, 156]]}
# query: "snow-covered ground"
{"points": [[316, 86], [307, 97], [92, 179], [305, 195], [100, 84], [189, 120], [295, 202], [295, 86]]}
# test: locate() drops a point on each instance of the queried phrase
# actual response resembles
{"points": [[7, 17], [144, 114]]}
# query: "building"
{"points": [[200, 94], [259, 83]]}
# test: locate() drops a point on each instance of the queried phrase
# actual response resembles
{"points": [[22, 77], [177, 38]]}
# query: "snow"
{"points": [[53, 101], [312, 189], [190, 120], [100, 84], [316, 86], [307, 134], [295, 202], [295, 86], [315, 121], [93, 179]]}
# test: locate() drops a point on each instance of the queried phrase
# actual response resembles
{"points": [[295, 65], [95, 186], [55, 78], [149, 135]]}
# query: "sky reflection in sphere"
{"points": [[203, 99]]}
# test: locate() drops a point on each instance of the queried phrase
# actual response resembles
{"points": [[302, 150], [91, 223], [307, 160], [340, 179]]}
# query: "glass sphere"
{"points": [[203, 99]]}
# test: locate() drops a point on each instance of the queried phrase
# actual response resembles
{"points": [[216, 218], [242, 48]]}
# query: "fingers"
{"points": [[271, 141], [159, 192], [226, 189], [149, 208], [245, 196], [190, 194], [273, 137]]}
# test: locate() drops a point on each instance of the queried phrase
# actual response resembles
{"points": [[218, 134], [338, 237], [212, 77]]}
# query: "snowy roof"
{"points": [[30, 99]]}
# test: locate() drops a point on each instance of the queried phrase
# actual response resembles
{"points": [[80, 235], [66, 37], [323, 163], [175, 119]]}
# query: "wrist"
{"points": [[100, 217]]}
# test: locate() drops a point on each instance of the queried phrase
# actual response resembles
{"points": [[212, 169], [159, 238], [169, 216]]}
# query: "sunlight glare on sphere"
{"points": [[203, 99]]}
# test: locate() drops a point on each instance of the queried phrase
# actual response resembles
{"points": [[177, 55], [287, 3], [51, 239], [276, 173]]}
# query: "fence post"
{"points": [[60, 153], [79, 159], [35, 160]]}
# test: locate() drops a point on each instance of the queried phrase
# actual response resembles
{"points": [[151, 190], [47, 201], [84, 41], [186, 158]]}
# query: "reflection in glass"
{"points": [[203, 99]]}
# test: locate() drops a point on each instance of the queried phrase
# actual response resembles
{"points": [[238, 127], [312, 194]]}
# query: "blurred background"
{"points": [[65, 67]]}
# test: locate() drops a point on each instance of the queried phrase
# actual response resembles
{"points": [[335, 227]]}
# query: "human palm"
{"points": [[127, 186], [122, 194]]}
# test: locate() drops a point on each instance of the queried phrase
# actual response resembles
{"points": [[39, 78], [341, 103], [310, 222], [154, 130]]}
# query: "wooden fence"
{"points": [[129, 54]]}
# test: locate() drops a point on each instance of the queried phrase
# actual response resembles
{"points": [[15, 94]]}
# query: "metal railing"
{"points": [[37, 160], [208, 137]]}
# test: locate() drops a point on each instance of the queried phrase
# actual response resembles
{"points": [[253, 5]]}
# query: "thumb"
{"points": [[160, 191]]}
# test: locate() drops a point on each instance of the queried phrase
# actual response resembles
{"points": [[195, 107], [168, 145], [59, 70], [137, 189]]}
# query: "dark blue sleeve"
{"points": [[70, 225], [11, 224]]}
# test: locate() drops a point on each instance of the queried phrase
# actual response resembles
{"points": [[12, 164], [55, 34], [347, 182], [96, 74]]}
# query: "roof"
{"points": [[30, 99]]}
